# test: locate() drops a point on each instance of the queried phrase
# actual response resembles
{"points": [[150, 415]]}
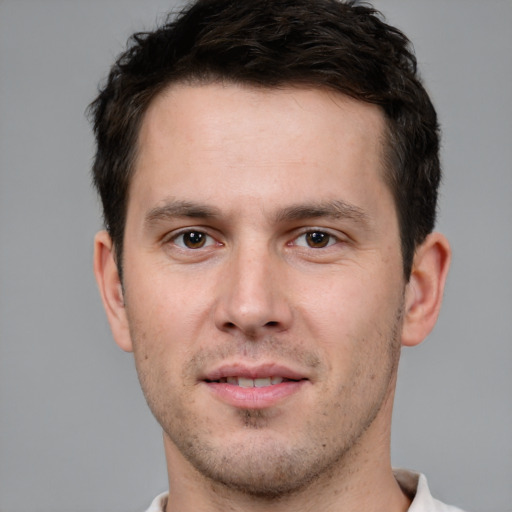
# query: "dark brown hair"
{"points": [[332, 44]]}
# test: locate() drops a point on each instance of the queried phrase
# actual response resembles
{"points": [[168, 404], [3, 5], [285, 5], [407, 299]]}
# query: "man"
{"points": [[269, 174]]}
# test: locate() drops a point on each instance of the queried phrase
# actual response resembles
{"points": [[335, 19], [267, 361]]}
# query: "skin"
{"points": [[255, 172]]}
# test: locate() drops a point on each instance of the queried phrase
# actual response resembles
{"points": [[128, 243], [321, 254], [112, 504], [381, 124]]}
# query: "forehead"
{"points": [[194, 136], [249, 105]]}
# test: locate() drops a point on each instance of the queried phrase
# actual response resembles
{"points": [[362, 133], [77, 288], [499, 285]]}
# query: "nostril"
{"points": [[272, 324]]}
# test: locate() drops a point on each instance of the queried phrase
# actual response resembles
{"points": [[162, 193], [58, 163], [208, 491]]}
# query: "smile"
{"points": [[245, 382], [259, 387]]}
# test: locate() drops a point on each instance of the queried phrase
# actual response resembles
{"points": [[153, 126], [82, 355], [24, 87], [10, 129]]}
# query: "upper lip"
{"points": [[260, 371]]}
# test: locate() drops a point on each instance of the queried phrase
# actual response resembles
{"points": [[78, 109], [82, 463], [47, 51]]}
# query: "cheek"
{"points": [[354, 319], [161, 346], [165, 302], [167, 320], [351, 299]]}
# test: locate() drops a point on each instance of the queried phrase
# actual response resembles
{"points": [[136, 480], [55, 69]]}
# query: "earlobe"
{"points": [[424, 291], [111, 290]]}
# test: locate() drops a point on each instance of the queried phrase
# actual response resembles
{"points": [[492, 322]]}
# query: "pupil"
{"points": [[194, 239], [316, 239]]}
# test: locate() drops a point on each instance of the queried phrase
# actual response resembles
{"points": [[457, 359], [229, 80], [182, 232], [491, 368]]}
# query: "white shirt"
{"points": [[413, 484]]}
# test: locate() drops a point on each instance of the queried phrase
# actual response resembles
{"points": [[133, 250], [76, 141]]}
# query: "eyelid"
{"points": [[338, 237], [173, 236]]}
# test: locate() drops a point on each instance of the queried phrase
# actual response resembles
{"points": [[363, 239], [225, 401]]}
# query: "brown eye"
{"points": [[192, 240], [317, 239]]}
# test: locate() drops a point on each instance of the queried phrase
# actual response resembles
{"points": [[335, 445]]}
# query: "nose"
{"points": [[253, 298]]}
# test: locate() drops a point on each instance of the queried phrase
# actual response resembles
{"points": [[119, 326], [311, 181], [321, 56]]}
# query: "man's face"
{"points": [[263, 281]]}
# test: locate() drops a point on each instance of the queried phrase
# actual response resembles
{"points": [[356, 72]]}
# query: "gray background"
{"points": [[75, 434]]}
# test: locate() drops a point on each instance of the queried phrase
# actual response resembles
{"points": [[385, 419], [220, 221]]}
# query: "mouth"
{"points": [[245, 382], [254, 388]]}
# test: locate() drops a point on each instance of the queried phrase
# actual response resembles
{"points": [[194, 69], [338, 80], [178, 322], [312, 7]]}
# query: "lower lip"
{"points": [[254, 398]]}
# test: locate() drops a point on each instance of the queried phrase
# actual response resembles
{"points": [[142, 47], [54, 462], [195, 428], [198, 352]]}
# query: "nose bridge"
{"points": [[252, 298]]}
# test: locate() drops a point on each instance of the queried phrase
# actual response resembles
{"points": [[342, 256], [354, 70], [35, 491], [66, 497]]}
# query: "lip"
{"points": [[255, 397], [259, 371]]}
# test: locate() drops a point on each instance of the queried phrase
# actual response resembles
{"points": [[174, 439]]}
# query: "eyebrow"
{"points": [[335, 209], [175, 208]]}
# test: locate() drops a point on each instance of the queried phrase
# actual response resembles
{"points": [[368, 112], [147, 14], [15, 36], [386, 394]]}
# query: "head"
{"points": [[323, 44], [268, 171]]}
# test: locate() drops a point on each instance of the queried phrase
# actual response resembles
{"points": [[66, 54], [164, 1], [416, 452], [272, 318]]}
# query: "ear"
{"points": [[424, 291], [111, 290]]}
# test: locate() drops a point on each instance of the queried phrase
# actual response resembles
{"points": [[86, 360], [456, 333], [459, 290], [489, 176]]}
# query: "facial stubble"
{"points": [[269, 467]]}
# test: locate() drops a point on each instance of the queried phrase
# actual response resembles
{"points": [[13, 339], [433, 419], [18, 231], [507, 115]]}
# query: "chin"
{"points": [[263, 466]]}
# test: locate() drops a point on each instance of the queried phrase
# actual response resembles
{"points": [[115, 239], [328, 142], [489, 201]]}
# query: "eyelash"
{"points": [[329, 238], [204, 240], [208, 239]]}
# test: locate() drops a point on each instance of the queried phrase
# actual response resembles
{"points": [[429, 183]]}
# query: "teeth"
{"points": [[245, 383], [253, 383], [261, 383]]}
